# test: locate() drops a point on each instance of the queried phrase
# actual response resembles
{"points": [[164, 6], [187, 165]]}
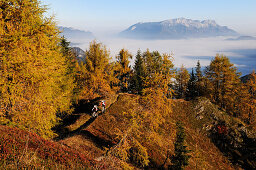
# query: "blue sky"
{"points": [[116, 15]]}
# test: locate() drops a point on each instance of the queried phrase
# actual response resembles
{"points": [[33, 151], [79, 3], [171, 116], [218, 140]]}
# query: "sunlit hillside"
{"points": [[66, 108]]}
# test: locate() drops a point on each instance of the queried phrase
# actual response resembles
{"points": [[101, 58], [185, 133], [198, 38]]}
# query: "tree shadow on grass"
{"points": [[82, 107], [99, 142]]}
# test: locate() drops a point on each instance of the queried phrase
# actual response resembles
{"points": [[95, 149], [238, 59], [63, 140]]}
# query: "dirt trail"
{"points": [[74, 133]]}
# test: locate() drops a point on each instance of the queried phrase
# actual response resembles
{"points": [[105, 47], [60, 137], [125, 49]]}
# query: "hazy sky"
{"points": [[107, 17], [115, 15]]}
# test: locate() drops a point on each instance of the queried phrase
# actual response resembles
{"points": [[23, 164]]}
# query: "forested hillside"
{"points": [[156, 116]]}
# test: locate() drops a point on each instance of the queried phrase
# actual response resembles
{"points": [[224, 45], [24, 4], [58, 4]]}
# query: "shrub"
{"points": [[138, 154], [16, 145]]}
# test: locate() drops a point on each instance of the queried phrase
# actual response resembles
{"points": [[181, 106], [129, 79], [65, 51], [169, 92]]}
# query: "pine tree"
{"points": [[33, 71], [180, 159], [199, 74], [139, 73], [199, 80], [192, 90]]}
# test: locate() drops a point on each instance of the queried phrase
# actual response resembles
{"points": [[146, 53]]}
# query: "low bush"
{"points": [[22, 148]]}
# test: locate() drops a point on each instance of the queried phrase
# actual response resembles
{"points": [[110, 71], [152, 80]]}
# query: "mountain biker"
{"points": [[103, 105], [94, 111]]}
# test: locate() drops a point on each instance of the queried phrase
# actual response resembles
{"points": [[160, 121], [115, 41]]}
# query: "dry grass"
{"points": [[20, 149], [98, 140], [112, 126]]}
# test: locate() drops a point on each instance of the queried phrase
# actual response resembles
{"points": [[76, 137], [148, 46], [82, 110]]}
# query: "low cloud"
{"points": [[188, 51]]}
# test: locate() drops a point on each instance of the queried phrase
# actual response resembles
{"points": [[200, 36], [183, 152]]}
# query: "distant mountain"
{"points": [[71, 33], [79, 53], [246, 78], [242, 38], [176, 29]]}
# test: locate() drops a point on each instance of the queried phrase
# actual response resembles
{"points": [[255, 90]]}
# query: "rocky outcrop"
{"points": [[229, 134]]}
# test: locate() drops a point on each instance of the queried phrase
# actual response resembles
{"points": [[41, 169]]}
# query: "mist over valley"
{"points": [[185, 51], [186, 39]]}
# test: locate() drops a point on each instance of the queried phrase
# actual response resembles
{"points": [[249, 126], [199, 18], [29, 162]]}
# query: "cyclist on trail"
{"points": [[94, 111], [103, 106]]}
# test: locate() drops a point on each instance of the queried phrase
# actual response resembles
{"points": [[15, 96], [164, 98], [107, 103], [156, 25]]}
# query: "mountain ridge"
{"points": [[178, 28], [244, 37], [73, 33]]}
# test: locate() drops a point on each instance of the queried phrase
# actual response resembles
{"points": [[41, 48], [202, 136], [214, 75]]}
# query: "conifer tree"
{"points": [[242, 103], [251, 83], [97, 72], [199, 74], [33, 81], [139, 73], [167, 70], [156, 87], [199, 80], [70, 62], [182, 79], [152, 64], [251, 86], [191, 90], [124, 70], [223, 79], [148, 61], [180, 159], [160, 73]]}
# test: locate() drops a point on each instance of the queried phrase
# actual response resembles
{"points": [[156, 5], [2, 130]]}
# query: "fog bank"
{"points": [[187, 51]]}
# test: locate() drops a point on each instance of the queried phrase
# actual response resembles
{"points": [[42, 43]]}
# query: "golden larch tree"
{"points": [[32, 69], [223, 80], [124, 70], [98, 72], [182, 78]]}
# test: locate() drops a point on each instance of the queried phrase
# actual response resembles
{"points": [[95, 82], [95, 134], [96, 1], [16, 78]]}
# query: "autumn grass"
{"points": [[114, 124], [20, 149], [205, 155]]}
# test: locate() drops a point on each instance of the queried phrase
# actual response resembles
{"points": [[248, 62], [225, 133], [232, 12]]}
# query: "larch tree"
{"points": [[223, 79], [156, 87], [32, 68], [251, 86], [70, 62], [182, 78], [167, 70], [242, 107], [123, 71], [97, 71]]}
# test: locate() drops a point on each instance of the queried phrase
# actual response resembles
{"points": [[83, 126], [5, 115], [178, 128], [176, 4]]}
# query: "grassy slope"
{"points": [[20, 149], [205, 155], [96, 138], [105, 132], [79, 137]]}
